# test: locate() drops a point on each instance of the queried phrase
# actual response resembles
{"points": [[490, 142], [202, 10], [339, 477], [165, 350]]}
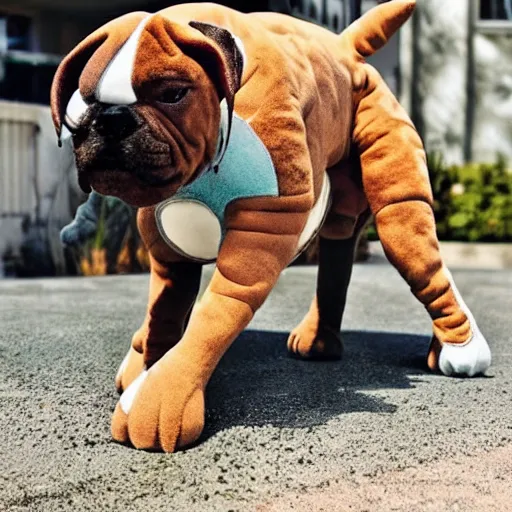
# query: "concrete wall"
{"points": [[492, 133], [436, 85], [456, 80]]}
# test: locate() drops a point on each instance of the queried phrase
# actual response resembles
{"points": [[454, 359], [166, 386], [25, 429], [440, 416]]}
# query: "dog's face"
{"points": [[141, 98]]}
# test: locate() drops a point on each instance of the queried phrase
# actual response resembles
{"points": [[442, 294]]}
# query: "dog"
{"points": [[239, 137]]}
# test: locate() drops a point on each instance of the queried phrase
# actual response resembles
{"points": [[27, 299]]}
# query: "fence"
{"points": [[18, 162]]}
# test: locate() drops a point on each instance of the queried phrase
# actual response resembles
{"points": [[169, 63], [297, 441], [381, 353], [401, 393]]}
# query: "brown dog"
{"points": [[313, 137]]}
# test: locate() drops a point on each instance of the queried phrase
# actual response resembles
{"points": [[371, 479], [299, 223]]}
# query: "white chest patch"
{"points": [[191, 228]]}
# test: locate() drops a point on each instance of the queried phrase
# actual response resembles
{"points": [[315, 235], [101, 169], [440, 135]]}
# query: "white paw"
{"points": [[127, 398], [470, 358], [122, 367]]}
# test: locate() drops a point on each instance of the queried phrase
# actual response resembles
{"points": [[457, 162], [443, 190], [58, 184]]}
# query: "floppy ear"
{"points": [[226, 70], [232, 54], [65, 81], [93, 53]]}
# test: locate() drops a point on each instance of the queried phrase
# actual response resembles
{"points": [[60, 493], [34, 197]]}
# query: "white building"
{"points": [[457, 77]]}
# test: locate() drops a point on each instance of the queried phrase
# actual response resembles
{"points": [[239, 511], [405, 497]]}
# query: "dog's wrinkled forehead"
{"points": [[115, 84], [112, 64], [111, 81], [107, 76]]}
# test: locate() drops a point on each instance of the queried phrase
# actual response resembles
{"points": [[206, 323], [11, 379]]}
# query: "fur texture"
{"points": [[317, 107]]}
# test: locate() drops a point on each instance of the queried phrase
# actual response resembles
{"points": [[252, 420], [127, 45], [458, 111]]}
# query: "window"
{"points": [[496, 10], [24, 76], [14, 32]]}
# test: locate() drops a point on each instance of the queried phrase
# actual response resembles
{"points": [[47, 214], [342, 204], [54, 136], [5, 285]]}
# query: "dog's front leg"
{"points": [[164, 406], [173, 288]]}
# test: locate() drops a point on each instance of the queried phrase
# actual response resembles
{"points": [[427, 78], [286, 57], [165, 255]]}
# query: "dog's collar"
{"points": [[225, 122], [223, 137]]}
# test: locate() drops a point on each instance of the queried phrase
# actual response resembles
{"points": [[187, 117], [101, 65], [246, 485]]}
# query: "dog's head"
{"points": [[148, 103]]}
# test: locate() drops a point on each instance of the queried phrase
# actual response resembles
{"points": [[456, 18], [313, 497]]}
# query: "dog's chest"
{"points": [[192, 221]]}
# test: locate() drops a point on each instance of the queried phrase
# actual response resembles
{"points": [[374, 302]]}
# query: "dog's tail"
{"points": [[373, 30]]}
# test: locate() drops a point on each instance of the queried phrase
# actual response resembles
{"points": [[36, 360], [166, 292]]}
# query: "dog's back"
{"points": [[288, 59]]}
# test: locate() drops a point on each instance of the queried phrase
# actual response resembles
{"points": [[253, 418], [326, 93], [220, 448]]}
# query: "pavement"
{"points": [[477, 255], [375, 431]]}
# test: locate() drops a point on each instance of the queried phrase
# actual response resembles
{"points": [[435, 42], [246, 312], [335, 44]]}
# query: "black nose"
{"points": [[116, 122]]}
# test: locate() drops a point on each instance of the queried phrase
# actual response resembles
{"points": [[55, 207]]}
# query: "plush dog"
{"points": [[239, 137]]}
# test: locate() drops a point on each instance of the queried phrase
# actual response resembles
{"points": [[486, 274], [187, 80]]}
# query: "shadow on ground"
{"points": [[258, 383]]}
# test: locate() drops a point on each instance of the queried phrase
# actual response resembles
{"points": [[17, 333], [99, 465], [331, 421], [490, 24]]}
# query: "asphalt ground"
{"points": [[375, 431]]}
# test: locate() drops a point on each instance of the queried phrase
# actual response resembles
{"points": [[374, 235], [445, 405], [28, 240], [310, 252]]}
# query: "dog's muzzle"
{"points": [[119, 140], [116, 122]]}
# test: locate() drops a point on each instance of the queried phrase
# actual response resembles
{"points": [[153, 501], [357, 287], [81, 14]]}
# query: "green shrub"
{"points": [[472, 202]]}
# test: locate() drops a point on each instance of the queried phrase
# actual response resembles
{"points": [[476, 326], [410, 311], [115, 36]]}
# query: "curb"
{"points": [[465, 255]]}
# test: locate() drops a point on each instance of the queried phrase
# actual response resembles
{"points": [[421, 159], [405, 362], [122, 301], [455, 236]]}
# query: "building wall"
{"points": [[438, 81], [38, 190], [457, 80], [492, 133]]}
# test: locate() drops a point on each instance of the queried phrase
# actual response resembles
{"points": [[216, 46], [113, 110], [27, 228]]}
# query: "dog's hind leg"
{"points": [[408, 234], [318, 334], [396, 183]]}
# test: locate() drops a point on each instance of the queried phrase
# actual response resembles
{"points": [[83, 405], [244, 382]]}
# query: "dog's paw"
{"points": [[461, 359], [163, 408], [129, 370], [309, 342]]}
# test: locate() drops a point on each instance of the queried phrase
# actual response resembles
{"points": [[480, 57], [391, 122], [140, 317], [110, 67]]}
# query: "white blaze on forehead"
{"points": [[115, 85]]}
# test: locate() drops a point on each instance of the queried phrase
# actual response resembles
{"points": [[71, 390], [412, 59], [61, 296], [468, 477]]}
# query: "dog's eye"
{"points": [[173, 95]]}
